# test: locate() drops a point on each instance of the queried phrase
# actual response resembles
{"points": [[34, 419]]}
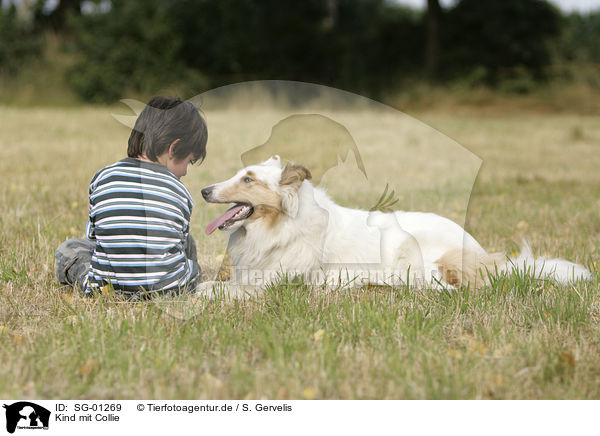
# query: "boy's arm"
{"points": [[189, 245], [190, 248], [90, 230]]}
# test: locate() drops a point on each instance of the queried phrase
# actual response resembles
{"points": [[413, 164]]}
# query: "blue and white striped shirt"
{"points": [[140, 219]]}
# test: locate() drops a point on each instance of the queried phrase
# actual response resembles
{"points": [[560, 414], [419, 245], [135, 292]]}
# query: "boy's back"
{"points": [[140, 218]]}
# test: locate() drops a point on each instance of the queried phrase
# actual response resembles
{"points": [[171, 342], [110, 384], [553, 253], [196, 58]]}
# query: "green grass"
{"points": [[515, 339]]}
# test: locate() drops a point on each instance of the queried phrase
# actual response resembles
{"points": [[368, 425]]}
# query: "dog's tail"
{"points": [[560, 270], [462, 267]]}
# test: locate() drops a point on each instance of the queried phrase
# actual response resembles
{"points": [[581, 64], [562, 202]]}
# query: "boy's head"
{"points": [[166, 122]]}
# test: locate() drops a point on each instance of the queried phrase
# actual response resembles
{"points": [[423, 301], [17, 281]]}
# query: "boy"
{"points": [[138, 232]]}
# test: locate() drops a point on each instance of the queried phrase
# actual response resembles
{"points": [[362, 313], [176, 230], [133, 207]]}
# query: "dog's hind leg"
{"points": [[459, 267]]}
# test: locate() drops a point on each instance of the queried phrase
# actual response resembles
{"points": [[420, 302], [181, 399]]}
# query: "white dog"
{"points": [[281, 224]]}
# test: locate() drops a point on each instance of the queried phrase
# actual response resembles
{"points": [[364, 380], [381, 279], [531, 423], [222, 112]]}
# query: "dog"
{"points": [[280, 224]]}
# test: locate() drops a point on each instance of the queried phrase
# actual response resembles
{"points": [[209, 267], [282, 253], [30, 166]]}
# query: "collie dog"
{"points": [[281, 224]]}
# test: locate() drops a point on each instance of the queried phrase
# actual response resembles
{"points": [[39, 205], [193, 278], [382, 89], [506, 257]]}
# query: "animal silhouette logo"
{"points": [[26, 415], [313, 139]]}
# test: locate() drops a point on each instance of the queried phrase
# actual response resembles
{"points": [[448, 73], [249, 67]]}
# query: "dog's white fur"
{"points": [[310, 235]]}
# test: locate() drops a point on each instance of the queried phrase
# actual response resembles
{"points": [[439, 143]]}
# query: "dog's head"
{"points": [[266, 191]]}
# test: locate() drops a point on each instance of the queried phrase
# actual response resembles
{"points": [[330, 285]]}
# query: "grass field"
{"points": [[516, 339]]}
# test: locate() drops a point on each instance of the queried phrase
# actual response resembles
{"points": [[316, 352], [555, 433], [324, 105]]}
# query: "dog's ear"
{"points": [[291, 179], [293, 175]]}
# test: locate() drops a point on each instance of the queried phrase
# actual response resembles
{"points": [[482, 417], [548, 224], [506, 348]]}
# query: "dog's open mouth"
{"points": [[238, 212]]}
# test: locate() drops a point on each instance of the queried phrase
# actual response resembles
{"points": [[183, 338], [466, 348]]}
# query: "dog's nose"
{"points": [[206, 192]]}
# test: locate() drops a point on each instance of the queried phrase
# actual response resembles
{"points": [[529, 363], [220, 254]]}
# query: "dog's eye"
{"points": [[247, 179]]}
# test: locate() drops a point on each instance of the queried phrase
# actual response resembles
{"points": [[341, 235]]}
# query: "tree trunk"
{"points": [[432, 53]]}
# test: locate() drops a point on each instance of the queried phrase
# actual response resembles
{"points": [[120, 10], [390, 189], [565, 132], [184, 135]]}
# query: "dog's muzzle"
{"points": [[207, 192]]}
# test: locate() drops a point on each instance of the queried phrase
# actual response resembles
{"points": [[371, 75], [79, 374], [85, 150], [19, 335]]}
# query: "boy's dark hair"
{"points": [[163, 120]]}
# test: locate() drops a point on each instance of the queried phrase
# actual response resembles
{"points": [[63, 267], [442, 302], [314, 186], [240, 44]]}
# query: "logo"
{"points": [[26, 415]]}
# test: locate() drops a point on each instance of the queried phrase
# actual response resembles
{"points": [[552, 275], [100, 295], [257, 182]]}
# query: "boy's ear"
{"points": [[172, 147]]}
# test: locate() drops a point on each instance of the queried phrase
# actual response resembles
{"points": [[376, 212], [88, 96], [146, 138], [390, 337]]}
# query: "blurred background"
{"points": [[406, 53]]}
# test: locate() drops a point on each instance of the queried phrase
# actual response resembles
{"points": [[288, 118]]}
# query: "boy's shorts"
{"points": [[74, 258]]}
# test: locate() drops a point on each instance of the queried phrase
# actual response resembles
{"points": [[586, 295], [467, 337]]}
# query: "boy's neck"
{"points": [[158, 161]]}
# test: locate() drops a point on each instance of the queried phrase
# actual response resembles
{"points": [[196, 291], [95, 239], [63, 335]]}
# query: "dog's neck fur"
{"points": [[258, 246]]}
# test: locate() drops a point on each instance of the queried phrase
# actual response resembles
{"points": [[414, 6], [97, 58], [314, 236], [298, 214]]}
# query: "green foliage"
{"points": [[386, 201], [372, 47], [143, 45], [19, 43], [581, 40], [348, 44], [508, 39], [131, 47], [518, 81]]}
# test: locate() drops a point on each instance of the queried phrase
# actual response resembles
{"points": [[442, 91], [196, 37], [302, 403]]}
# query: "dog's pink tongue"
{"points": [[214, 224]]}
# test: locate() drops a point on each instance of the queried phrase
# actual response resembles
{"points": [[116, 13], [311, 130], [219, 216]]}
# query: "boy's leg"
{"points": [[73, 258]]}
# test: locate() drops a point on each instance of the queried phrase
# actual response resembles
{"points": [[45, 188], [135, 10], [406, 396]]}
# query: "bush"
{"points": [[581, 41], [19, 42], [517, 81], [132, 47], [502, 36]]}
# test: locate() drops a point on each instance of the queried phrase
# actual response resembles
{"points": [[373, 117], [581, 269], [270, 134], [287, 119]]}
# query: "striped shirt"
{"points": [[140, 219]]}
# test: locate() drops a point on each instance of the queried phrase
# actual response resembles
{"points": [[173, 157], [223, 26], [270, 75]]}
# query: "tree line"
{"points": [[364, 46]]}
